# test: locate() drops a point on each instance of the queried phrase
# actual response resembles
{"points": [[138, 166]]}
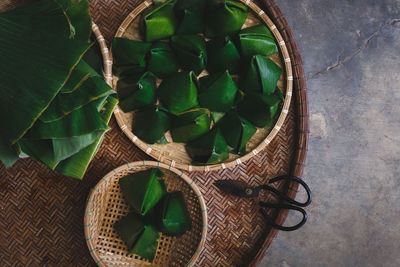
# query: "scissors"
{"points": [[241, 189]]}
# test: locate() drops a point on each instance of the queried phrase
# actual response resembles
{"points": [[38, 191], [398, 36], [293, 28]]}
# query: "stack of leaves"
{"points": [[55, 106], [154, 210], [218, 113]]}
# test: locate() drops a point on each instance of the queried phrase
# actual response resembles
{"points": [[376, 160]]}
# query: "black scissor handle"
{"points": [[285, 197], [271, 222]]}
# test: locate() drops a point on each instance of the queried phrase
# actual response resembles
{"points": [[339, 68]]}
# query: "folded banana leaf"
{"points": [[178, 92], [224, 17], [191, 14], [146, 245], [257, 40], [190, 51], [35, 70], [151, 123], [161, 22], [143, 189], [162, 61], [216, 116], [260, 110], [236, 131], [260, 75], [79, 75], [190, 125], [222, 55], [210, 148], [77, 165], [175, 218], [217, 92], [130, 228], [142, 93], [63, 104], [129, 55]]}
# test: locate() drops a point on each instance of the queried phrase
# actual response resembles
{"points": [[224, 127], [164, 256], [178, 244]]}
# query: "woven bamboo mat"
{"points": [[41, 222]]}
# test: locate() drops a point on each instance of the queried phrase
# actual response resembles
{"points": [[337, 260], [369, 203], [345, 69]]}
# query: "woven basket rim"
{"points": [[90, 242], [154, 153]]}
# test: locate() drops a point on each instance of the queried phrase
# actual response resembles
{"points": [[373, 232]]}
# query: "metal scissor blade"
{"points": [[236, 188]]}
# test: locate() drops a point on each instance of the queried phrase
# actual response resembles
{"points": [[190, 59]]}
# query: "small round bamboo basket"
{"points": [[106, 205], [174, 154]]}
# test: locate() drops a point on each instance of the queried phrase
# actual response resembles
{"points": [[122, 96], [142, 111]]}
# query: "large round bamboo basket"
{"points": [[174, 154], [106, 205]]}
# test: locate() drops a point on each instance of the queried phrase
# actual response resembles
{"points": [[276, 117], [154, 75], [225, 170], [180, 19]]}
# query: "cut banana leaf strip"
{"points": [[236, 131], [63, 104], [224, 17], [257, 40], [8, 155], [40, 150], [222, 55], [191, 16], [78, 76], [146, 245], [260, 110], [127, 85], [161, 22], [175, 218], [143, 189], [217, 92], [35, 53], [162, 61], [260, 75], [209, 148], [79, 122], [66, 147], [78, 14], [130, 228], [128, 54], [190, 51], [77, 165], [190, 125], [151, 123], [143, 94], [178, 92]]}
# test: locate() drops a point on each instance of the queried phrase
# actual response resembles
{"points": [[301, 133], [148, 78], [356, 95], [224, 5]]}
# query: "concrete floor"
{"points": [[351, 54]]}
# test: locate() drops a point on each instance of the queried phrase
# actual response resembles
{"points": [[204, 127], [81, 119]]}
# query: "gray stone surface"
{"points": [[351, 54]]}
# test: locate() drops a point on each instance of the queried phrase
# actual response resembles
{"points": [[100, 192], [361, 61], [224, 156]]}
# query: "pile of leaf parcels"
{"points": [[55, 106], [216, 114]]}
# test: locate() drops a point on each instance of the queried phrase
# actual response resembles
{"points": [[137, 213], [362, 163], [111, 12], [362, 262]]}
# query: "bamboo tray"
{"points": [[174, 154], [42, 212]]}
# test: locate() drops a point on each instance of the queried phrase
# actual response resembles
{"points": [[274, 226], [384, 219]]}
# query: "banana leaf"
{"points": [[257, 40], [79, 75], [40, 150], [94, 58], [190, 125], [143, 190], [191, 14], [146, 245], [8, 154], [79, 122], [222, 55], [260, 75], [63, 104], [216, 116], [178, 92], [144, 94], [190, 51], [77, 165], [130, 228], [175, 218], [210, 148], [151, 123], [78, 14], [35, 64], [260, 110], [162, 61], [129, 55], [217, 92], [127, 84], [161, 22], [236, 131], [224, 17]]}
